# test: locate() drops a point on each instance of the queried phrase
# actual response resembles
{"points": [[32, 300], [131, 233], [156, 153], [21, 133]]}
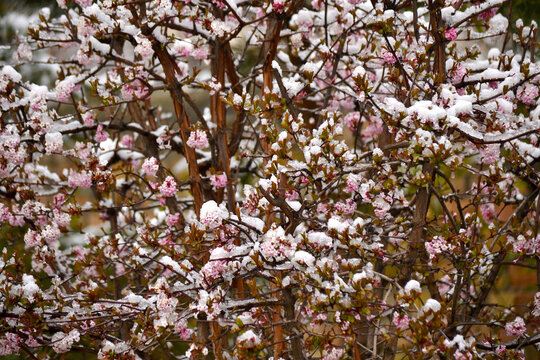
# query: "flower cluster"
{"points": [[197, 139], [168, 188]]}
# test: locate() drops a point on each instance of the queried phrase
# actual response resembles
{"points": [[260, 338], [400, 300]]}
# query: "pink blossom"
{"points": [[450, 34], [88, 118], [436, 246], [276, 244], [213, 269], [134, 90], [172, 219], [278, 6], [81, 180], [488, 14], [141, 91], [168, 188], [144, 47], [388, 57], [181, 329], [536, 310], [127, 141], [32, 239], [53, 143], [300, 95], [322, 208], [516, 327], [120, 269], [5, 214], [520, 245], [333, 353], [528, 94], [84, 3], [219, 4], [200, 53], [444, 285], [218, 181], [353, 182], [24, 53], [127, 92], [215, 86], [82, 150], [291, 195], [488, 212], [183, 48], [457, 74], [400, 321], [85, 28], [197, 139], [317, 4], [490, 153], [101, 135], [51, 233], [61, 218], [64, 89], [150, 166], [382, 204], [9, 344], [352, 119], [460, 355], [166, 304], [62, 342], [346, 208], [212, 215]]}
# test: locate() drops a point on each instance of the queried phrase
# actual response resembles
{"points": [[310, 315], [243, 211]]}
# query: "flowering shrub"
{"points": [[324, 179]]}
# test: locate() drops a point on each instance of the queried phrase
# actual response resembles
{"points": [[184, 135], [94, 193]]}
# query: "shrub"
{"points": [[254, 179]]}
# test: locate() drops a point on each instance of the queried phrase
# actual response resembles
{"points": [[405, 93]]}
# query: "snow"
{"points": [[99, 46], [292, 86], [427, 111], [96, 11], [359, 71], [319, 239], [105, 151], [248, 339], [295, 205], [275, 65], [30, 288], [253, 222], [167, 261], [338, 225], [431, 305], [461, 107], [219, 253], [266, 184], [311, 67], [303, 257], [137, 300], [212, 215], [11, 73], [459, 342], [412, 285]]}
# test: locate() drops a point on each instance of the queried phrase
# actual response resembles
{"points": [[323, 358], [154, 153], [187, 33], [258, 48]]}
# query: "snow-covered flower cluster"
{"points": [[150, 166]]}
